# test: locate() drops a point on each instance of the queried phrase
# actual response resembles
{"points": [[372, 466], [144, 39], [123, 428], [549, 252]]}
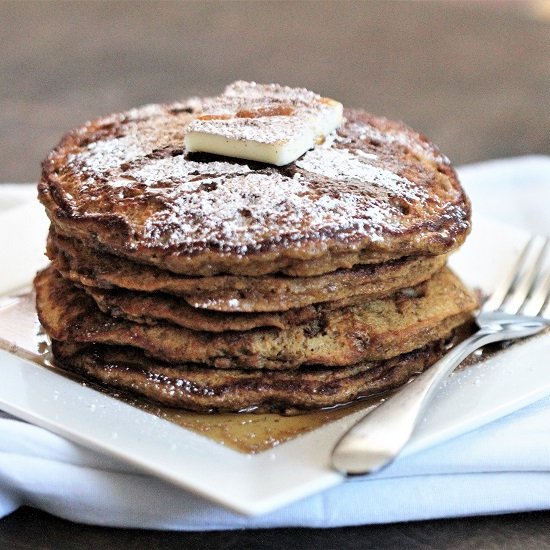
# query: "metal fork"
{"points": [[518, 307]]}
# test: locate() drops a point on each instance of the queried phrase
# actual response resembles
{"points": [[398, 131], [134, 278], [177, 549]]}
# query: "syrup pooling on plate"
{"points": [[254, 433], [22, 335], [245, 432]]}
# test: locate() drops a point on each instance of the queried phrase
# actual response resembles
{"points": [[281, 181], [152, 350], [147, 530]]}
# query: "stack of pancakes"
{"points": [[219, 284]]}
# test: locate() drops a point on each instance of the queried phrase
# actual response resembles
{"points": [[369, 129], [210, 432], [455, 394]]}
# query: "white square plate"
{"points": [[257, 484]]}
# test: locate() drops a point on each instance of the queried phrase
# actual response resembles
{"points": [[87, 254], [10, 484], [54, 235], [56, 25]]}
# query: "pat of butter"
{"points": [[263, 122]]}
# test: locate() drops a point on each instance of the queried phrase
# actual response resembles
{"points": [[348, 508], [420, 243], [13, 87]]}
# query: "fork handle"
{"points": [[379, 436]]}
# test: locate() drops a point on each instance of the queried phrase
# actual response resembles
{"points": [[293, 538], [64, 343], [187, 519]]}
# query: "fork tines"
{"points": [[526, 287]]}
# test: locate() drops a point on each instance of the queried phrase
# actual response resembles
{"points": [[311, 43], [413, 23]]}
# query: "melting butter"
{"points": [[263, 122]]}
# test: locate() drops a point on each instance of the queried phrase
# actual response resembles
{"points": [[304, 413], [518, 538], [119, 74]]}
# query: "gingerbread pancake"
{"points": [[233, 293], [373, 192]]}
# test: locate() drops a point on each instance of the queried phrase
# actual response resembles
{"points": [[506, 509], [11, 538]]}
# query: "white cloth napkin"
{"points": [[502, 467]]}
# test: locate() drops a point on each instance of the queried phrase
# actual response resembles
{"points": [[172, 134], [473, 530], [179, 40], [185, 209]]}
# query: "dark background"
{"points": [[474, 76]]}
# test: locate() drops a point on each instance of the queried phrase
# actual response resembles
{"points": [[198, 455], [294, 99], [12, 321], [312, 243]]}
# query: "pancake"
{"points": [[378, 329], [152, 308], [218, 284], [86, 267], [376, 191], [193, 387]]}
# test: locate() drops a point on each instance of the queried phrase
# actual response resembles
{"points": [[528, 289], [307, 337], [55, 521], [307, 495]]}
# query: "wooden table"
{"points": [[474, 76]]}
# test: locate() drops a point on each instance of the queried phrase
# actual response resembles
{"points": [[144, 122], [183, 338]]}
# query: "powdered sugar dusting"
{"points": [[264, 113], [277, 131], [104, 156], [244, 210], [338, 190], [253, 91], [408, 139], [343, 165], [147, 129], [177, 169]]}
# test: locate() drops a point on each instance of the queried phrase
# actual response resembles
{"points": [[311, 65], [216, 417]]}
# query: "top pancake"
{"points": [[377, 191]]}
